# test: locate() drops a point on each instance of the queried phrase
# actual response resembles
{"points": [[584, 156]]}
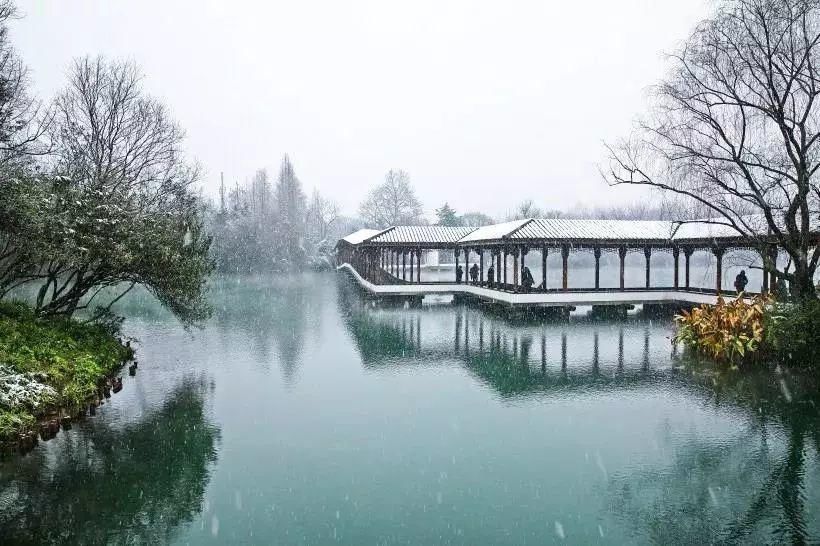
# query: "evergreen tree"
{"points": [[290, 203], [447, 216]]}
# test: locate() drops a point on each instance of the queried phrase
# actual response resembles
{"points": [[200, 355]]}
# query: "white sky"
{"points": [[483, 103]]}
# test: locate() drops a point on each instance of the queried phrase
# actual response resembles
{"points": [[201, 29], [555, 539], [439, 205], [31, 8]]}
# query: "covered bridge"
{"points": [[393, 255]]}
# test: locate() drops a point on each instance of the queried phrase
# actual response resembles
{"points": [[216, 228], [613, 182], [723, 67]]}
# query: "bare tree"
{"points": [[391, 203], [526, 209], [322, 213], [23, 120], [736, 128], [476, 219], [119, 210]]}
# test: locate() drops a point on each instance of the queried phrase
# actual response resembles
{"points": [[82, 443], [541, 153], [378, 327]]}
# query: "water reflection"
{"points": [[132, 484], [449, 424], [275, 312], [757, 487], [513, 356], [756, 483]]}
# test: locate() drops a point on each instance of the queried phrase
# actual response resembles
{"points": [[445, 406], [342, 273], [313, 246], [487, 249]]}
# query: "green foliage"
{"points": [[68, 356], [727, 331], [732, 331], [446, 216], [105, 213], [793, 332], [13, 422]]}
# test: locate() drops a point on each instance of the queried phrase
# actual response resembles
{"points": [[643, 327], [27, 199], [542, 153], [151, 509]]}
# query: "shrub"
{"points": [[726, 331], [792, 332]]}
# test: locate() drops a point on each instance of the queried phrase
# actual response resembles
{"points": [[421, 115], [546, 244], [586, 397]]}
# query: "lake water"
{"points": [[304, 414]]}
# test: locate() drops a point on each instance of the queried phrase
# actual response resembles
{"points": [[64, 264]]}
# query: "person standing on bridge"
{"points": [[741, 281], [526, 278], [459, 274], [474, 274], [490, 276]]}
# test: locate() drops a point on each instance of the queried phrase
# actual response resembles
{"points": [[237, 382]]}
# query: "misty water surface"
{"points": [[303, 414]]}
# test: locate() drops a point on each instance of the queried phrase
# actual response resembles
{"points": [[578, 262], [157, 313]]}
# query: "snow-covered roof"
{"points": [[558, 229], [360, 236], [433, 235], [698, 230], [494, 231]]}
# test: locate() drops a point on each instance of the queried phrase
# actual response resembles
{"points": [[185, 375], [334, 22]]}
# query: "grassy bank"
{"points": [[50, 366]]}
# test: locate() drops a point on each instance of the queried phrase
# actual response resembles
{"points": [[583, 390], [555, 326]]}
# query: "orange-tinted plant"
{"points": [[727, 331]]}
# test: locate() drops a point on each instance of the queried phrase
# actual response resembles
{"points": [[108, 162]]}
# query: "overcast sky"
{"points": [[483, 103]]}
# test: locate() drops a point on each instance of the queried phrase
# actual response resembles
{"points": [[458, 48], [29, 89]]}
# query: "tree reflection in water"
{"points": [[132, 484], [746, 488], [272, 309]]}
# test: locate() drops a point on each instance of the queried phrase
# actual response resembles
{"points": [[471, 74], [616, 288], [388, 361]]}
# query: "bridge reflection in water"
{"points": [[753, 482], [513, 356]]}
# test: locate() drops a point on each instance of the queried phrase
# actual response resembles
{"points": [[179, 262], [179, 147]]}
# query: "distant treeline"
{"points": [[262, 226], [265, 225]]}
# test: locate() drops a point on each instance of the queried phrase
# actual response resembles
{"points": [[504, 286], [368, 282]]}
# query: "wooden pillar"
{"points": [[505, 266], [516, 276], [647, 251], [675, 256], [622, 257], [597, 252], [565, 265], [497, 278], [455, 254], [418, 270], [544, 267], [403, 264], [412, 253], [718, 252], [480, 266], [466, 266], [687, 254]]}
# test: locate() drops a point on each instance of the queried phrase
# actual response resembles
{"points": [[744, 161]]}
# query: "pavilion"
{"points": [[393, 256]]}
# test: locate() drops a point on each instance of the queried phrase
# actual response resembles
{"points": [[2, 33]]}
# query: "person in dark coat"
{"points": [[741, 281], [526, 279], [459, 274], [491, 276], [474, 273]]}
